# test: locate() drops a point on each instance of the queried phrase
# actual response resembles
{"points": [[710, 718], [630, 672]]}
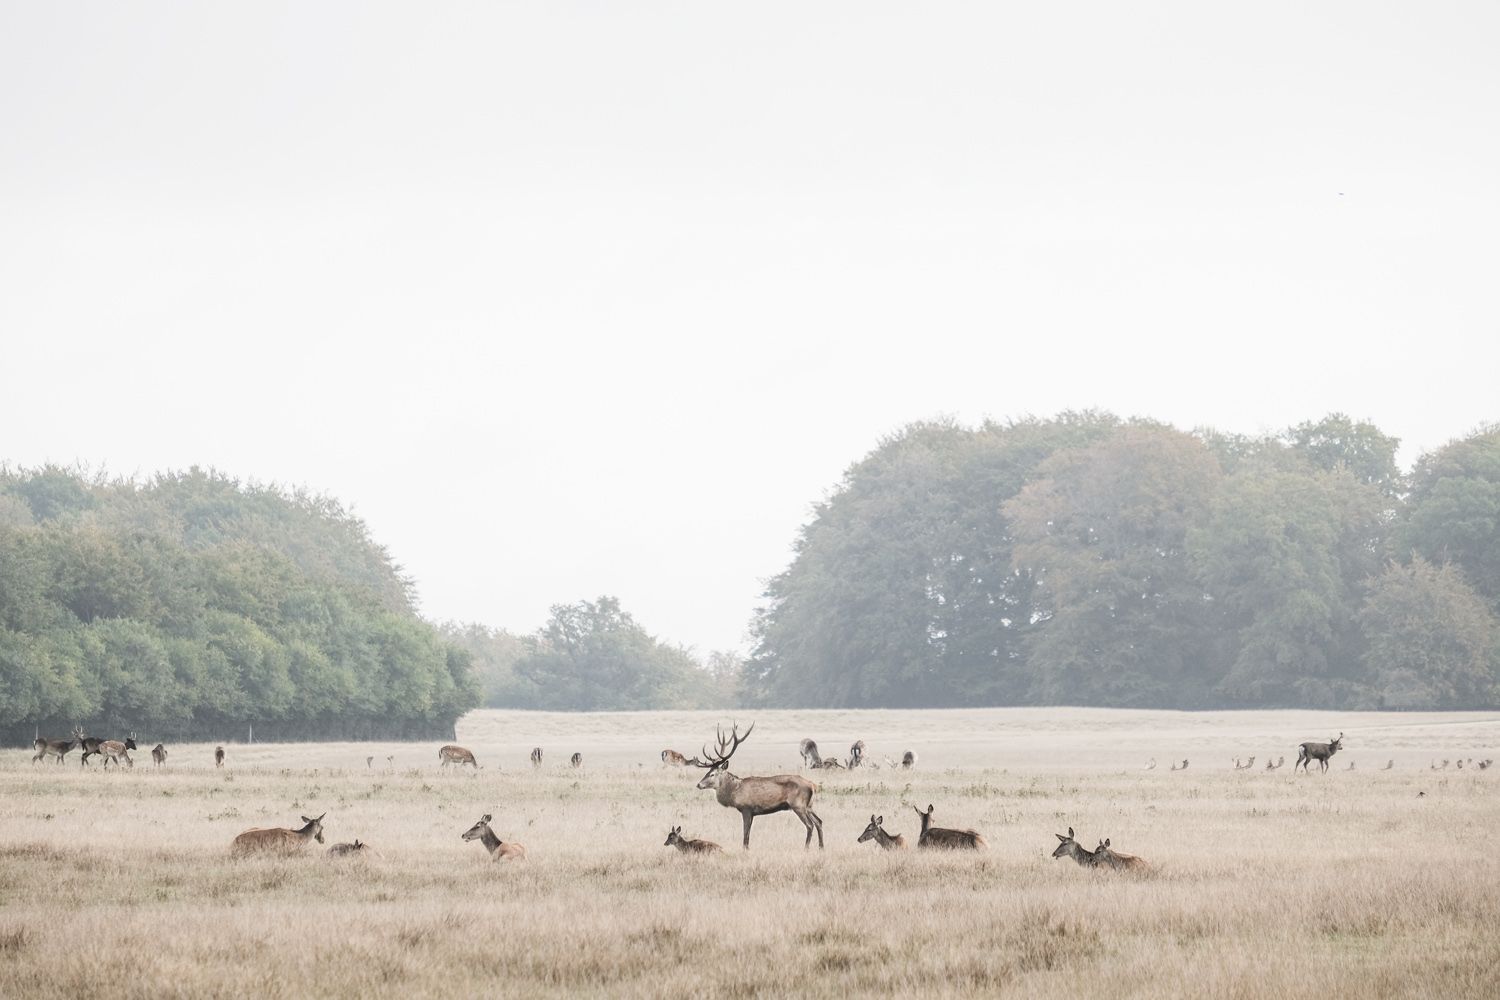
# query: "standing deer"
{"points": [[809, 750], [857, 754], [1319, 752], [279, 839], [536, 756], [52, 748], [369, 765], [689, 846], [1275, 766], [218, 756], [1070, 848], [1351, 766], [1116, 861], [758, 796], [876, 833], [89, 745], [451, 754], [499, 849], [1392, 763], [941, 838], [576, 760], [159, 755], [113, 750]]}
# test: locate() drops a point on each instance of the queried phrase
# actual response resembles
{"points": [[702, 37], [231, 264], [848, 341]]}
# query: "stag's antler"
{"points": [[725, 747]]}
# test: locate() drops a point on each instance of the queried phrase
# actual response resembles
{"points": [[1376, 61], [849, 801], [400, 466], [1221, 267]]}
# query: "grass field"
{"points": [[1344, 885]]}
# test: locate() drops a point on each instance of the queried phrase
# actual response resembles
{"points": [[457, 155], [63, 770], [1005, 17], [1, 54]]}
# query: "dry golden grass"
{"points": [[1348, 884]]}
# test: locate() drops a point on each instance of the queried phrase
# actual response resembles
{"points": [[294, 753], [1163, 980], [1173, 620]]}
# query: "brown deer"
{"points": [[758, 796], [279, 839], [536, 756], [159, 755], [1320, 752], [218, 756], [1484, 764], [113, 750], [499, 849], [687, 846], [52, 748], [674, 758], [944, 839], [347, 850], [451, 754], [875, 832], [809, 750], [576, 760], [1070, 848], [1115, 861], [857, 754]]}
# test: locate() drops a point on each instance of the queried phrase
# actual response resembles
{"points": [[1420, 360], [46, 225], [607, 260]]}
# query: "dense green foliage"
{"points": [[1089, 560], [193, 605]]}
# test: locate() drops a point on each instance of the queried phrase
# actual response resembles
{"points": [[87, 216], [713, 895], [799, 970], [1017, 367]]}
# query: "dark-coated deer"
{"points": [[159, 755], [52, 748], [1319, 752], [1245, 766], [451, 754], [1115, 861], [279, 840], [944, 839], [499, 849], [1070, 848], [876, 833], [218, 756], [758, 796], [536, 756], [689, 846]]}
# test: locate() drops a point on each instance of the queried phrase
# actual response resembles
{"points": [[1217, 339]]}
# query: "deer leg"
{"points": [[749, 818], [818, 820]]}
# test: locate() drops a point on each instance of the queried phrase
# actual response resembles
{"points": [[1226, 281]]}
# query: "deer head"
{"points": [[1337, 744], [478, 829], [317, 825], [674, 836], [873, 830], [717, 762], [130, 741], [1063, 844]]}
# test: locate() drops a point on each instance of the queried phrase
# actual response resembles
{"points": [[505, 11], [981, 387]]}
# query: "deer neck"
{"points": [[886, 840], [1080, 855], [728, 785], [488, 839], [306, 832]]}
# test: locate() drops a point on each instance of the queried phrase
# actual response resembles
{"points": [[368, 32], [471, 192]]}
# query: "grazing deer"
{"points": [[113, 750], [1276, 766], [159, 755], [908, 760], [1070, 848], [536, 756], [576, 760], [1183, 767], [1151, 764], [674, 758], [218, 756], [875, 832], [687, 846], [1319, 752], [451, 754], [856, 754], [758, 796], [1116, 861], [499, 849], [809, 750], [52, 748], [279, 839], [345, 850], [1245, 766], [941, 838]]}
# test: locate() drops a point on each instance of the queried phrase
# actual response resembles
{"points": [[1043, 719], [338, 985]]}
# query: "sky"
{"points": [[571, 299]]}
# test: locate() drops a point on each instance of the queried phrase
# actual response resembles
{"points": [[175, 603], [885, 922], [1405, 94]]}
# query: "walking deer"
{"points": [[1319, 752], [941, 838], [576, 760], [876, 833], [689, 846], [536, 756], [279, 839], [460, 756], [218, 756], [113, 750], [159, 755], [758, 796], [52, 748], [1070, 848], [809, 750], [1115, 861], [499, 849]]}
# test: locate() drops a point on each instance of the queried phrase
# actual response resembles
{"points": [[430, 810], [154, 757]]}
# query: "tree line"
{"points": [[193, 606], [1090, 560]]}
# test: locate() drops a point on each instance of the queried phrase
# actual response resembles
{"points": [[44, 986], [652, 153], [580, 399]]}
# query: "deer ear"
{"points": [[1061, 837], [879, 820], [1070, 833], [485, 818], [1106, 841]]}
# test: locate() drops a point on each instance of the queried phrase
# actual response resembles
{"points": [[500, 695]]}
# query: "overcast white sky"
{"points": [[570, 299]]}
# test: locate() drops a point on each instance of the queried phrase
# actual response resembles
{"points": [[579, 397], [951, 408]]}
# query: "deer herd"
{"points": [[750, 796]]}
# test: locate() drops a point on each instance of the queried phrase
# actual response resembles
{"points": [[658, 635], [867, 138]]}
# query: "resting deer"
{"points": [[809, 750], [876, 833], [52, 748], [451, 754], [1484, 764], [536, 756], [1068, 847], [674, 758], [159, 755], [279, 839], [345, 850], [1116, 861], [1151, 764], [758, 796], [1319, 752], [1276, 766], [1183, 767], [576, 760], [941, 838], [499, 849], [1460, 765], [218, 757], [688, 846], [1245, 766]]}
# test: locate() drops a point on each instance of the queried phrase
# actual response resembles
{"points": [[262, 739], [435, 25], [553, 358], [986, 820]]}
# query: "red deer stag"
{"points": [[1070, 848], [52, 748], [941, 838], [688, 846], [499, 849], [279, 839], [758, 796], [1115, 861], [451, 754], [876, 833], [1319, 752]]}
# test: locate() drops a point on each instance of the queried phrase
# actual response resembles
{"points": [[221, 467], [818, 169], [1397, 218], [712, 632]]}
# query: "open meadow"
{"points": [[1363, 883]]}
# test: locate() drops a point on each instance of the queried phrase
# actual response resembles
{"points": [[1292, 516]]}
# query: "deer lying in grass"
{"points": [[1104, 857], [348, 850], [279, 840], [1245, 766], [875, 832], [451, 754], [1320, 752], [1151, 764], [689, 846], [674, 758], [1182, 768], [1389, 764], [1070, 848], [758, 796], [1276, 766], [499, 849], [943, 839]]}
